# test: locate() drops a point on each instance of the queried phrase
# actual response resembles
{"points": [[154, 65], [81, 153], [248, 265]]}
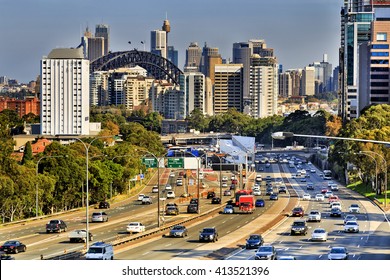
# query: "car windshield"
{"points": [[208, 230], [229, 206], [351, 223], [178, 228], [94, 250], [10, 242], [254, 237], [318, 230], [337, 250], [297, 209], [265, 249], [299, 223], [354, 205]]}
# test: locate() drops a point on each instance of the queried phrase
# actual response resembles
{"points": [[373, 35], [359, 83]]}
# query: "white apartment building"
{"points": [[65, 93], [194, 87]]}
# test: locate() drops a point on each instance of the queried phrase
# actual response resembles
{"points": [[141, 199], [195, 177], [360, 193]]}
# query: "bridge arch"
{"points": [[157, 66]]}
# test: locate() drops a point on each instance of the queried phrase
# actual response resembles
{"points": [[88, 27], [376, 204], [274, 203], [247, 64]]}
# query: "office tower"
{"points": [[168, 100], [65, 93], [103, 31], [210, 58], [374, 69], [93, 47], [194, 86], [209, 97], [263, 87], [335, 79], [290, 83], [308, 81], [99, 89], [323, 75], [4, 80], [193, 56], [228, 87], [173, 55], [158, 43]]}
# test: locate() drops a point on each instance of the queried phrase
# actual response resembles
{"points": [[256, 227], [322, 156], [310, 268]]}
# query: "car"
{"points": [[338, 253], [168, 187], [312, 171], [333, 198], [99, 217], [334, 187], [324, 190], [224, 185], [299, 227], [179, 183], [282, 189], [266, 252], [172, 175], [229, 209], [267, 165], [314, 216], [135, 227], [351, 226], [178, 231], [235, 181], [335, 212], [336, 204], [172, 210], [256, 191], [319, 197], [328, 194], [269, 191], [306, 196], [80, 235], [273, 196], [349, 218], [233, 177], [260, 168], [319, 234], [147, 200], [259, 203], [268, 178], [13, 246], [209, 234], [100, 251], [293, 176], [303, 179], [192, 208], [254, 241], [210, 194], [216, 200], [354, 208], [171, 194], [155, 189], [227, 193], [104, 205], [194, 201], [56, 226], [298, 212], [224, 178], [310, 186], [140, 197]]}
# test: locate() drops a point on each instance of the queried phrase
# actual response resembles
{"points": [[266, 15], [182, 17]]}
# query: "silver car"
{"points": [[319, 234], [338, 253], [99, 217], [351, 226]]}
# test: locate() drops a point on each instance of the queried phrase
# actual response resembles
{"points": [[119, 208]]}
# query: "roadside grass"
{"points": [[367, 191]]}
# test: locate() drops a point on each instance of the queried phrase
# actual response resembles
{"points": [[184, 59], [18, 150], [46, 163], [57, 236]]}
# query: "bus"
{"points": [[240, 193], [327, 175]]}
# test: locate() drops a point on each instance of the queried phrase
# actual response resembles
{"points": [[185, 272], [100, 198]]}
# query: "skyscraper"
{"points": [[210, 58], [65, 93], [93, 47], [193, 56], [194, 87], [103, 31], [158, 43]]}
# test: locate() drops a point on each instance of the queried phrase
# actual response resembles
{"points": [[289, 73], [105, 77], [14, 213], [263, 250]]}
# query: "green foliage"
{"points": [[27, 155]]}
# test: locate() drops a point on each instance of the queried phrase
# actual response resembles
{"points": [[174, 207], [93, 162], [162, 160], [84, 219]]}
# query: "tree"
{"points": [[27, 155]]}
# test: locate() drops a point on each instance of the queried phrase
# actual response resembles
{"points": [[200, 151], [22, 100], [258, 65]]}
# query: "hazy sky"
{"points": [[300, 31]]}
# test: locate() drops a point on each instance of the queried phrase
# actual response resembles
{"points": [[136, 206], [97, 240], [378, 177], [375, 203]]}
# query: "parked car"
{"points": [[338, 253], [266, 252], [99, 217], [259, 202], [254, 241], [56, 226], [104, 205], [135, 227], [13, 246], [209, 234], [319, 234], [178, 231]]}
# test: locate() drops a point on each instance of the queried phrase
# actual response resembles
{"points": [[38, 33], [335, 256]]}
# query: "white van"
{"points": [[100, 251]]}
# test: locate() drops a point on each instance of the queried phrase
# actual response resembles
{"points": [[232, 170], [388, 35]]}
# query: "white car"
{"points": [[334, 187], [140, 196], [336, 204], [171, 194], [172, 175], [314, 216], [328, 194], [135, 227], [319, 234], [319, 197], [338, 253], [224, 179], [330, 183], [168, 187], [354, 208], [155, 189], [312, 171], [306, 196], [349, 218], [351, 226], [224, 185], [229, 209], [256, 191]]}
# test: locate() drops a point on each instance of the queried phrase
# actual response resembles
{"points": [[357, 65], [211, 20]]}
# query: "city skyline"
{"points": [[299, 32]]}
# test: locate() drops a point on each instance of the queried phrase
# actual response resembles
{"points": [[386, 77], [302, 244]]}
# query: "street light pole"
{"points": [[36, 196]]}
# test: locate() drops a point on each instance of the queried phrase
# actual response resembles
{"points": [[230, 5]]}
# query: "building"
{"points": [[103, 31], [210, 58], [193, 56], [173, 55], [21, 107], [65, 93], [93, 47], [194, 87], [168, 100], [158, 43], [308, 81], [228, 87], [373, 85]]}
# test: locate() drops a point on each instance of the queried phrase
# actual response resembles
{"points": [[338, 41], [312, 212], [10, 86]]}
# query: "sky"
{"points": [[299, 31]]}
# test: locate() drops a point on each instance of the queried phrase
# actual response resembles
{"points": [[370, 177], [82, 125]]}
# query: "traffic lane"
{"points": [[167, 248]]}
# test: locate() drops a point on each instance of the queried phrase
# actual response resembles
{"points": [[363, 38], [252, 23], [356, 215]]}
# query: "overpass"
{"points": [[193, 138]]}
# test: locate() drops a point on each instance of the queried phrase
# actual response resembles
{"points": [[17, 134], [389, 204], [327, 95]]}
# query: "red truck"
{"points": [[247, 203]]}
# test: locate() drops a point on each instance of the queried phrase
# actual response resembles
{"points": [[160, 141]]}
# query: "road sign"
{"points": [[175, 162], [149, 162]]}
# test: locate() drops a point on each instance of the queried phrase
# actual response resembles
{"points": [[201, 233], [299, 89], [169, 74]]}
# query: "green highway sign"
{"points": [[175, 162], [149, 162]]}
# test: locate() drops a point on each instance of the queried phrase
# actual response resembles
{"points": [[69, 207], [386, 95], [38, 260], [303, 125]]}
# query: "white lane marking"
{"points": [[42, 249], [320, 256], [145, 253], [167, 245]]}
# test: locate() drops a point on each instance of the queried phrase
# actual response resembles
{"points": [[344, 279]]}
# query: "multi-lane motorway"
{"points": [[372, 242]]}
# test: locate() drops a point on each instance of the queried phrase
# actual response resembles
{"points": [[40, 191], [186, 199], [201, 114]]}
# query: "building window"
{"points": [[381, 36], [380, 54], [383, 47]]}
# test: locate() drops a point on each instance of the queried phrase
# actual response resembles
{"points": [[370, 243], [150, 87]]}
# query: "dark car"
{"points": [[310, 186], [273, 196], [254, 241], [266, 252], [216, 200], [178, 231], [208, 234], [259, 203], [299, 227], [282, 189], [335, 212], [13, 246], [192, 208], [104, 205], [172, 210], [269, 191], [194, 201], [298, 212], [56, 226], [210, 195]]}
